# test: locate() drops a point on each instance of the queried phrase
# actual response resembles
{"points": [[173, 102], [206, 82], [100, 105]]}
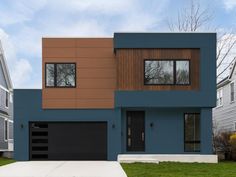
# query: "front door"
{"points": [[135, 131]]}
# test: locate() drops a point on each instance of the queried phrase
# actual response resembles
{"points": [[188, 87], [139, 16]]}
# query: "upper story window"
{"points": [[60, 74], [232, 91], [167, 72], [219, 101], [7, 100]]}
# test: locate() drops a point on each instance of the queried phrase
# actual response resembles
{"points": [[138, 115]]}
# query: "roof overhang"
{"points": [[163, 40]]}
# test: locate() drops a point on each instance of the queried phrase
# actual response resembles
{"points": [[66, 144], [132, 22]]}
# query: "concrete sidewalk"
{"points": [[63, 169]]}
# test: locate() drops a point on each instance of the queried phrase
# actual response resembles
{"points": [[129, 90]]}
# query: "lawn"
{"points": [[4, 161], [222, 169]]}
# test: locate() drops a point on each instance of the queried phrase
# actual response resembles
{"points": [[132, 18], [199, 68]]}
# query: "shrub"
{"points": [[222, 144], [232, 142]]}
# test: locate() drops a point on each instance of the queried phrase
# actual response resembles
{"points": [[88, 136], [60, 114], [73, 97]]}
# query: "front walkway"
{"points": [[63, 169]]}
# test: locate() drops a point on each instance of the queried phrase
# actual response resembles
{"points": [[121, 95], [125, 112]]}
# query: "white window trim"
{"points": [[9, 121], [230, 91], [5, 120], [10, 97], [8, 94], [218, 106], [5, 89]]}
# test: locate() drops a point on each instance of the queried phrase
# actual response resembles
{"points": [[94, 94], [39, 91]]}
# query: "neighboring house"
{"points": [[136, 93], [224, 114], [6, 108]]}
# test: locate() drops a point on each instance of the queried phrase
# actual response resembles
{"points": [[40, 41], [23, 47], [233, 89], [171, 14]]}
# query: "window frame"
{"points": [[199, 131], [7, 97], [174, 71], [6, 130], [219, 90], [55, 75], [231, 101]]}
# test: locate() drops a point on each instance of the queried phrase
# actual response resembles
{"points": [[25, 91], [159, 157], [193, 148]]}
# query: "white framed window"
{"points": [[11, 98], [6, 130], [7, 99], [219, 101], [232, 92]]}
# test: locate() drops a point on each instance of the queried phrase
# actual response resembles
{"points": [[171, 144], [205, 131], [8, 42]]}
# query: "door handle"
{"points": [[142, 136]]}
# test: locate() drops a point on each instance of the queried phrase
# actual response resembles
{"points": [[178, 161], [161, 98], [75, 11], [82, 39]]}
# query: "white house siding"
{"points": [[224, 117], [3, 143], [2, 79], [6, 113]]}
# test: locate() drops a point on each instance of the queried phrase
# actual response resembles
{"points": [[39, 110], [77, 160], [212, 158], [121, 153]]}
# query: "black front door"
{"points": [[135, 131]]}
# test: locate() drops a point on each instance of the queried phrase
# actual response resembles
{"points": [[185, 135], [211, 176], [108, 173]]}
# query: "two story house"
{"points": [[131, 97], [6, 108], [224, 114]]}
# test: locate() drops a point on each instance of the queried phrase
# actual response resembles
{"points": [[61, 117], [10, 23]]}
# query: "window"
{"points": [[166, 72], [232, 91], [192, 132], [219, 101], [159, 72], [7, 100], [10, 98], [182, 72], [5, 130], [60, 75]]}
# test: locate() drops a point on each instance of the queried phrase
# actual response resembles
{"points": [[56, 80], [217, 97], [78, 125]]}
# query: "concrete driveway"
{"points": [[63, 169]]}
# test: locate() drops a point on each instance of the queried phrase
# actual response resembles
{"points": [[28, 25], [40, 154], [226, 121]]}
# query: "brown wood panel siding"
{"points": [[58, 42], [59, 52], [90, 42], [59, 103], [100, 52], [96, 73], [130, 67]]}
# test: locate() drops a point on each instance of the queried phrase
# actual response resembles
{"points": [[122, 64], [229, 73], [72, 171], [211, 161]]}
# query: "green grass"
{"points": [[5, 161], [222, 169]]}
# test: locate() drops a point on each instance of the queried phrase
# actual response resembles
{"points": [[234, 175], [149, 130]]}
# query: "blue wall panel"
{"points": [[165, 137], [165, 109], [28, 107], [204, 97], [167, 134]]}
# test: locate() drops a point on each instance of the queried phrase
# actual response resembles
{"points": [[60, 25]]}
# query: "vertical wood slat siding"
{"points": [[130, 67], [96, 73]]}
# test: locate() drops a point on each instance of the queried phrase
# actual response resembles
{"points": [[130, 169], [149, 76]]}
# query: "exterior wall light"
{"points": [[113, 126], [151, 124]]}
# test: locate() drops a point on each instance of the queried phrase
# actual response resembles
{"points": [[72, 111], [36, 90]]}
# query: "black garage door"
{"points": [[68, 141]]}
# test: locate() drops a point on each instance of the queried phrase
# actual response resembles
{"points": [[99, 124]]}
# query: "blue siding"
{"points": [[206, 130], [165, 109], [28, 107], [167, 134], [165, 137], [164, 40], [164, 99], [204, 97]]}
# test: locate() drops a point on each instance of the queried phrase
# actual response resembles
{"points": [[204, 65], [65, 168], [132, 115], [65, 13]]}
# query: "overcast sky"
{"points": [[24, 22]]}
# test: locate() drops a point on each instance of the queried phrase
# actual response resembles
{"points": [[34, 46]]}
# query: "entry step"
{"points": [[156, 158]]}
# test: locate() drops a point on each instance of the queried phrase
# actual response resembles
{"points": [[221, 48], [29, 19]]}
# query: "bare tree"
{"points": [[192, 18], [196, 18], [225, 45]]}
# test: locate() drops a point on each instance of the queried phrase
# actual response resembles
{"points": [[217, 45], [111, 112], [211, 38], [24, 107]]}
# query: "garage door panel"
{"points": [[74, 141]]}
